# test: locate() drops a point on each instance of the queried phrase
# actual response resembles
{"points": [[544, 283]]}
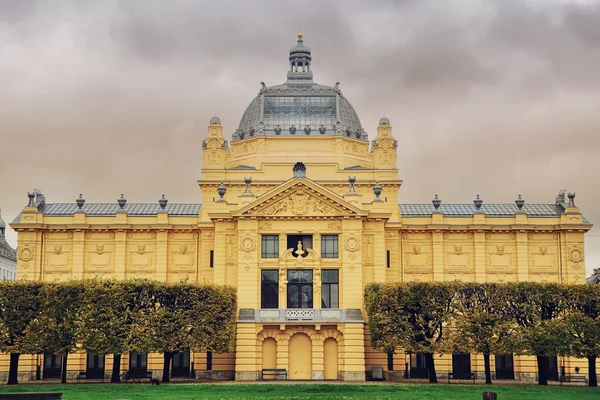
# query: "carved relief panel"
{"points": [[543, 256], [99, 253], [181, 260], [459, 259], [141, 255], [501, 256], [58, 256], [417, 256]]}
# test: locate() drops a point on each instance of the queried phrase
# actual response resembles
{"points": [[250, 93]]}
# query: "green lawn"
{"points": [[304, 391]]}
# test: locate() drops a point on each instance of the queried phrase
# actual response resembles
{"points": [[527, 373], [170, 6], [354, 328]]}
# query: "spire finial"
{"points": [[299, 34]]}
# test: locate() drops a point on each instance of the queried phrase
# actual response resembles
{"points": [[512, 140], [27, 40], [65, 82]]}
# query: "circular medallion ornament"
{"points": [[26, 254], [248, 244], [352, 243], [575, 255]]}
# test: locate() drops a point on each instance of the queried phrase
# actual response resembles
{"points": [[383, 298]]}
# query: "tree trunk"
{"points": [[593, 377], [116, 369], [166, 366], [63, 375], [431, 367], [488, 372], [13, 372], [542, 364]]}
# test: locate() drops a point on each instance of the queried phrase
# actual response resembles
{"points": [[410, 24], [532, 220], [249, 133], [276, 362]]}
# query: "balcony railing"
{"points": [[320, 315]]}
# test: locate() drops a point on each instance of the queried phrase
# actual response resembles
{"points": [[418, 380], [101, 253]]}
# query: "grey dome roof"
{"points": [[299, 106]]}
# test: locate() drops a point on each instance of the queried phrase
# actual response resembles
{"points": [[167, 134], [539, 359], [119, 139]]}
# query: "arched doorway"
{"points": [[300, 366], [331, 358], [269, 356]]}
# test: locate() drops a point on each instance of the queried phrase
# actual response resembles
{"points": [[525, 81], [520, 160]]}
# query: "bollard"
{"points": [[490, 396]]}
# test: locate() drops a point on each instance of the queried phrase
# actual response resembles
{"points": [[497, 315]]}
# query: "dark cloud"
{"points": [[492, 97]]}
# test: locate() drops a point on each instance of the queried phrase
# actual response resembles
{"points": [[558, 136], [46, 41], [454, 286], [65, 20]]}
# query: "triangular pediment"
{"points": [[300, 197]]}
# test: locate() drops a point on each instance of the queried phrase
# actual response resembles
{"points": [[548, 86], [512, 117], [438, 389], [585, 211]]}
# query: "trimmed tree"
{"points": [[482, 322], [535, 308], [170, 322], [55, 328], [19, 306], [582, 326], [105, 318], [412, 316]]}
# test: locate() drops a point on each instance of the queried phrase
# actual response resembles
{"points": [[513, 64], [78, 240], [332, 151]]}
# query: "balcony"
{"points": [[311, 315]]}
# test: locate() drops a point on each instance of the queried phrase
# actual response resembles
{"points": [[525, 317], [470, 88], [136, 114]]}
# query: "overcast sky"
{"points": [[491, 97]]}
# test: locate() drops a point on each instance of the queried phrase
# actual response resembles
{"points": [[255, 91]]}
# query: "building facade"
{"points": [[8, 255], [300, 211]]}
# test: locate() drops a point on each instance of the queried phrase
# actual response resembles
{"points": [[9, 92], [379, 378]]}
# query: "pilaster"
{"points": [[354, 352], [78, 254], [120, 253], [438, 256], [161, 255], [245, 352], [522, 257], [480, 267], [219, 254], [318, 359], [379, 253], [351, 272], [248, 274]]}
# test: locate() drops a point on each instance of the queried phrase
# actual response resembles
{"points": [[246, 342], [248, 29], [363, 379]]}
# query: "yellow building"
{"points": [[300, 211]]}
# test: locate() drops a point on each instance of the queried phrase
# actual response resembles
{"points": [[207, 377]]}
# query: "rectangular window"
{"points": [[212, 259], [330, 289], [388, 259], [300, 289], [269, 288], [329, 246], [270, 246]]}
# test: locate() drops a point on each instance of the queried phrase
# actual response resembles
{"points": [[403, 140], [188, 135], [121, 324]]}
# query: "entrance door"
{"points": [[418, 366], [552, 368], [505, 366], [138, 363], [181, 365], [461, 365], [300, 349], [95, 366], [331, 358], [52, 366]]}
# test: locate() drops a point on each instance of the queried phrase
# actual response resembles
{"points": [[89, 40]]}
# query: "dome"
{"points": [[215, 121], [300, 106]]}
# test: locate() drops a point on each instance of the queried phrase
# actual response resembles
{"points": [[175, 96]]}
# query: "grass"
{"points": [[304, 391]]}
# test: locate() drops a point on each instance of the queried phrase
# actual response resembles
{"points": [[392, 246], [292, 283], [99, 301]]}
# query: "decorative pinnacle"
{"points": [[221, 189], [31, 196], [163, 202], [571, 197], [122, 201], [80, 201], [436, 202], [519, 202], [478, 202], [377, 189]]}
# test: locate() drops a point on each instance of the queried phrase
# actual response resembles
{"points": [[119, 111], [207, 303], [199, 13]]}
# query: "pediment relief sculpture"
{"points": [[300, 203]]}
